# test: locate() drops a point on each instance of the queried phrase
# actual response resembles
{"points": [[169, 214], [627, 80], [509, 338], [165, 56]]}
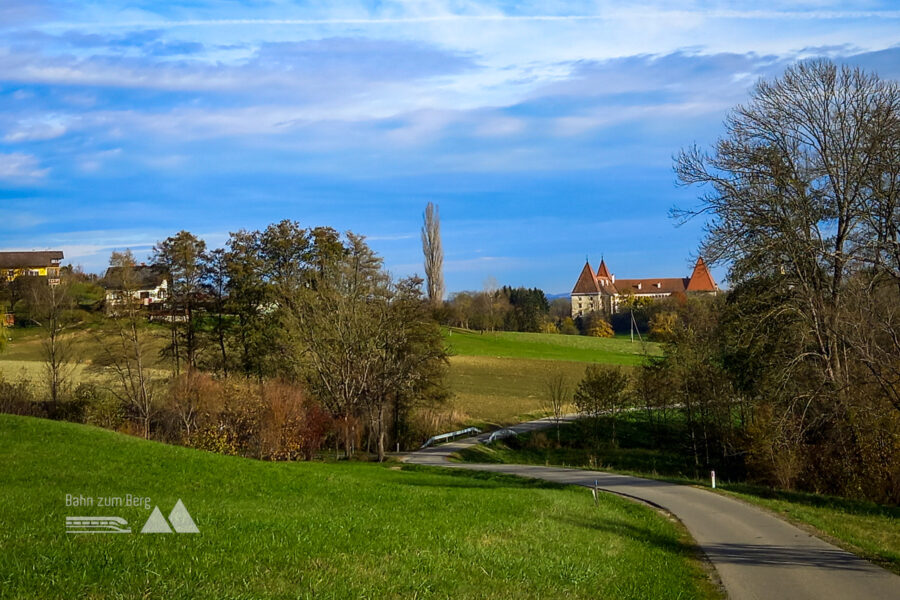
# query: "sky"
{"points": [[544, 131]]}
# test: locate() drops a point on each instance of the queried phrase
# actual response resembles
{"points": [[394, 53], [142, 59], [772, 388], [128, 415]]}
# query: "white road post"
{"points": [[712, 475]]}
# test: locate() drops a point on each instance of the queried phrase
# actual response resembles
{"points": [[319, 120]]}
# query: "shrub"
{"points": [[567, 327], [291, 426], [600, 328], [548, 326], [663, 325], [101, 408], [18, 399]]}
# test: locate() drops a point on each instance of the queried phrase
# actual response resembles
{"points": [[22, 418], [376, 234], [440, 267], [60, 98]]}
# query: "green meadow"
{"points": [[618, 350], [323, 530], [499, 378]]}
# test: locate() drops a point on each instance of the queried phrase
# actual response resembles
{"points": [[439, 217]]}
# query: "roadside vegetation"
{"points": [[339, 530], [644, 449]]}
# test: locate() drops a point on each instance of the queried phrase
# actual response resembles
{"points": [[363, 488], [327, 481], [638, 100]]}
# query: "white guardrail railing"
{"points": [[501, 434], [449, 436]]}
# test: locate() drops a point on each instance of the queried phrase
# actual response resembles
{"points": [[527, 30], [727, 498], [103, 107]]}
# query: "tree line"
{"points": [[307, 316]]}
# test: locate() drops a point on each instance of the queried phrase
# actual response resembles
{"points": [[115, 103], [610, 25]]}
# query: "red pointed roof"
{"points": [[602, 271], [701, 279], [587, 281]]}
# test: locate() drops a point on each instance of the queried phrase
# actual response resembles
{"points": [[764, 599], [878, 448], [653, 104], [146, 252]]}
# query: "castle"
{"points": [[601, 291]]}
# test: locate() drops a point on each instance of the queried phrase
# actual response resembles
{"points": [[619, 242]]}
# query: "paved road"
{"points": [[757, 555]]}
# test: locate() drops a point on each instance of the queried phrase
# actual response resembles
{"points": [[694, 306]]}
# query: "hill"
{"points": [[297, 530], [550, 346]]}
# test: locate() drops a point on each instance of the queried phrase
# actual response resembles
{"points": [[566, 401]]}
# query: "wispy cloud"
{"points": [[35, 130], [606, 15], [18, 165]]}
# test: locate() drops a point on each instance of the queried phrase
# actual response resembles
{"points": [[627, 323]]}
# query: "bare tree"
{"points": [[51, 309], [434, 255], [805, 189], [126, 350], [557, 398]]}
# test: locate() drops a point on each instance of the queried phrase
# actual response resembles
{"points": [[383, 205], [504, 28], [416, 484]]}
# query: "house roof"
{"points": [[701, 279], [587, 281], [22, 260], [146, 277], [652, 285]]}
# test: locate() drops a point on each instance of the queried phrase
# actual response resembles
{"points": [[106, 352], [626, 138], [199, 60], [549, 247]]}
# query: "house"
{"points": [[149, 284], [602, 292], [44, 263]]}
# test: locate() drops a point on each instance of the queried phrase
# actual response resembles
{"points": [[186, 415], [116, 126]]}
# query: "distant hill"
{"points": [[555, 296]]}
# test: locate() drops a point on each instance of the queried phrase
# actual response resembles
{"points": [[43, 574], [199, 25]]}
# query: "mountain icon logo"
{"points": [[179, 518]]}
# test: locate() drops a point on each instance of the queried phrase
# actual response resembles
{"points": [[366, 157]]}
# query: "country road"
{"points": [[757, 555]]}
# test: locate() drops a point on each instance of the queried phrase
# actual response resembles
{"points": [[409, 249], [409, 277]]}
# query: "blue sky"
{"points": [[543, 130]]}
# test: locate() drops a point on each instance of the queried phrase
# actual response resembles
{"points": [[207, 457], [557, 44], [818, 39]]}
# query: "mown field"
{"points": [[499, 378], [867, 529], [304, 530]]}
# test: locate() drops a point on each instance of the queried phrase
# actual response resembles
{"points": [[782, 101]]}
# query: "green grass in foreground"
{"points": [[869, 530], [549, 346], [302, 530]]}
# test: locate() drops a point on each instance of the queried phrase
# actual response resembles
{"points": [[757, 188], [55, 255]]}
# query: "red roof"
{"points": [[602, 271], [652, 285], [590, 283], [701, 280], [587, 281]]}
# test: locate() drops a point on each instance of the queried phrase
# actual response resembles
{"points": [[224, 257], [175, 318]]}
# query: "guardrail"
{"points": [[501, 434], [449, 436]]}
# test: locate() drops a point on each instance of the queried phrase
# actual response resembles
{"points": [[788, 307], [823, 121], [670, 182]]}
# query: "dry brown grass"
{"points": [[504, 390]]}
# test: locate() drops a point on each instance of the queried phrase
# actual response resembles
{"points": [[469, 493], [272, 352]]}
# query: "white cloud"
{"points": [[18, 165], [35, 130]]}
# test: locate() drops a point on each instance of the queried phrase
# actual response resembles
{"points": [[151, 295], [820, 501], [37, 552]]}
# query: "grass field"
{"points": [[303, 530], [496, 378], [501, 391], [549, 346], [868, 529]]}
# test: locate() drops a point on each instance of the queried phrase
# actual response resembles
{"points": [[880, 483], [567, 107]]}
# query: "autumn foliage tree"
{"points": [[802, 201]]}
